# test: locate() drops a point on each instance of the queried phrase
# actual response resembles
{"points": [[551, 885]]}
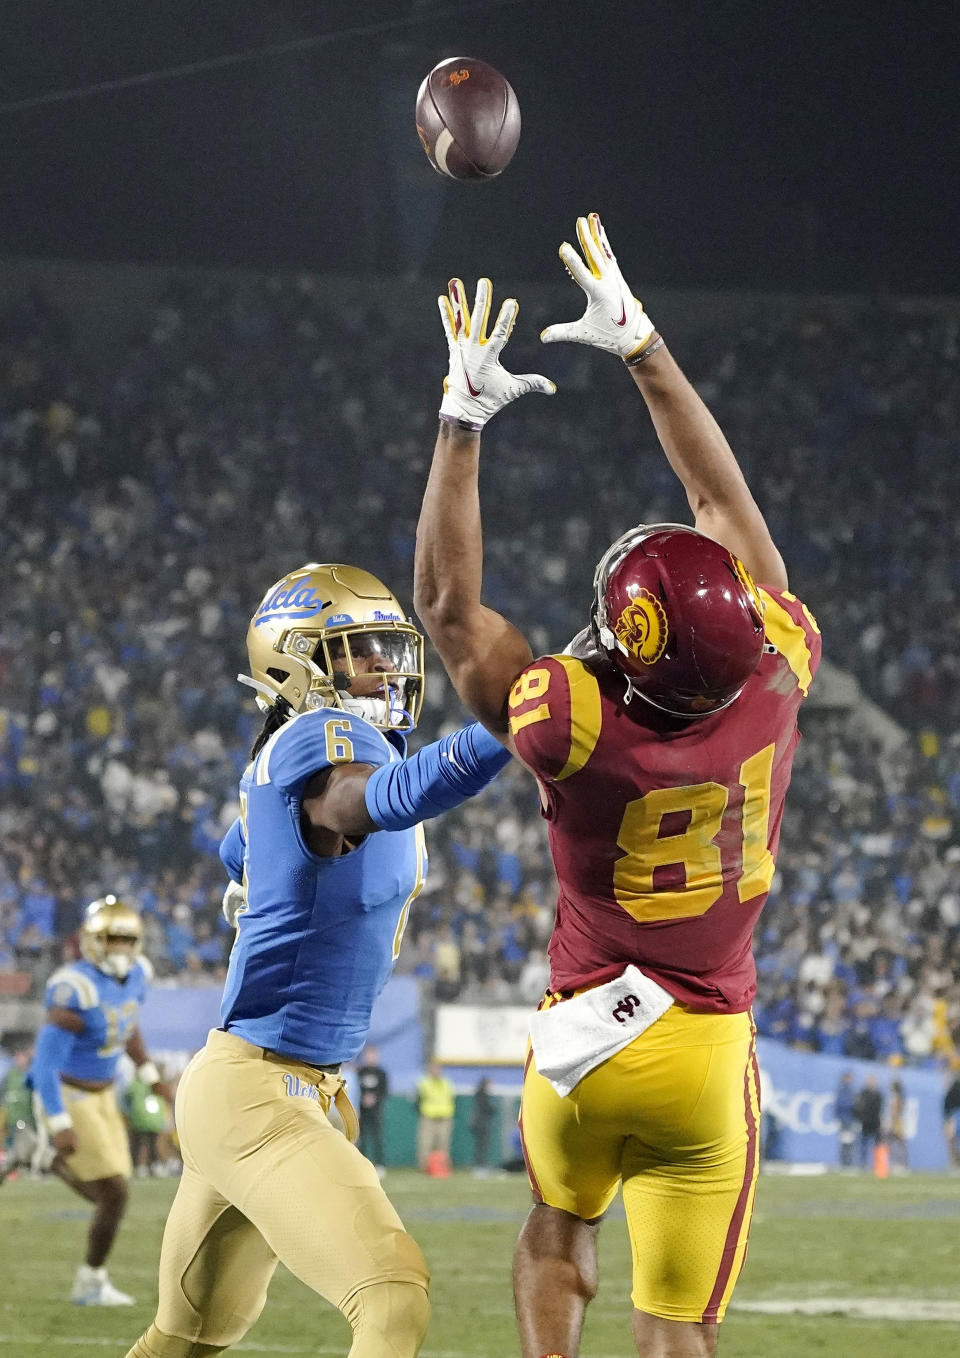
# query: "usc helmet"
{"points": [[310, 629], [680, 616], [106, 921]]}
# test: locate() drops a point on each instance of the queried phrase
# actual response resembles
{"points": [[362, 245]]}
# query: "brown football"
{"points": [[468, 119]]}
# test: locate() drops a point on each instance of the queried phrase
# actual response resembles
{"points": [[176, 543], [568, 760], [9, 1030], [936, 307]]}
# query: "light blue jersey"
{"points": [[109, 1010], [318, 937]]}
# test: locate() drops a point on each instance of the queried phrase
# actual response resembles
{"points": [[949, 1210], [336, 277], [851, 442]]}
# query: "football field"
{"points": [[838, 1266]]}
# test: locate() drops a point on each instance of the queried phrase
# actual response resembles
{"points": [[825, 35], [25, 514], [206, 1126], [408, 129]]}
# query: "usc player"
{"points": [[662, 742]]}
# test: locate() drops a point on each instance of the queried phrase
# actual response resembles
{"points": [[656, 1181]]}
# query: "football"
{"points": [[468, 119]]}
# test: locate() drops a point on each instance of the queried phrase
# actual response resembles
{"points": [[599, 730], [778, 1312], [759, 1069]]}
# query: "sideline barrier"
{"points": [[798, 1087]]}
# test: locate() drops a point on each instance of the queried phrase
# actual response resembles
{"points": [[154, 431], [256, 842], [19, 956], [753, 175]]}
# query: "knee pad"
{"points": [[389, 1320], [156, 1344]]}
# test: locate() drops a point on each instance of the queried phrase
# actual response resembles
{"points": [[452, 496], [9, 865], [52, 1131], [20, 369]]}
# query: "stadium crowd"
{"points": [[150, 494]]}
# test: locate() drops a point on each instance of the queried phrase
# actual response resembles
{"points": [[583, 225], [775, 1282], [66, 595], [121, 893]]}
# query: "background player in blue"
{"points": [[320, 903], [92, 1009]]}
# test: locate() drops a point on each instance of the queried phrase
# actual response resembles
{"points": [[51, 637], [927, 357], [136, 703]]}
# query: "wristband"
{"points": [[657, 342], [59, 1122], [455, 422], [148, 1073]]}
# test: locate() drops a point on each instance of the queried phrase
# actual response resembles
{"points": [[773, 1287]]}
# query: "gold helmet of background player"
{"points": [[313, 627], [111, 936]]}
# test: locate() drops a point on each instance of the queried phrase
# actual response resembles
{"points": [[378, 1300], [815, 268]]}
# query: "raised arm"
{"points": [[694, 444], [481, 650]]}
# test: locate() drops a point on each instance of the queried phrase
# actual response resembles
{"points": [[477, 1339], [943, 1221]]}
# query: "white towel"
{"points": [[572, 1037]]}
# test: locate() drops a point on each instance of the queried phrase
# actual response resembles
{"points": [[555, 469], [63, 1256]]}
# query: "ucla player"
{"points": [[662, 741], [325, 861], [92, 1007]]}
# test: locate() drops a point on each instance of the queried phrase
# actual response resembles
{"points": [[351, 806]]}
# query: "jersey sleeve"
{"points": [[793, 630], [232, 848], [316, 741], [555, 716], [70, 988]]}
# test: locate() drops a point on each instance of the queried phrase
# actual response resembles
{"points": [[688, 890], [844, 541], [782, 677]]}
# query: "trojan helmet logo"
{"points": [[455, 78], [642, 627], [746, 579]]}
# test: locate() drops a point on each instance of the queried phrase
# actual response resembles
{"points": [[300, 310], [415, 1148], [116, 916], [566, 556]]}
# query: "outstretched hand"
{"points": [[614, 319], [476, 386]]}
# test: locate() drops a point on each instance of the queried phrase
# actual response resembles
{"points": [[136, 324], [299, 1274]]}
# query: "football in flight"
{"points": [[468, 119]]}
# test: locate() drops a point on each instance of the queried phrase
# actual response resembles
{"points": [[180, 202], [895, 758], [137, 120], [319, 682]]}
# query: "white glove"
{"points": [[234, 901], [614, 319], [476, 386]]}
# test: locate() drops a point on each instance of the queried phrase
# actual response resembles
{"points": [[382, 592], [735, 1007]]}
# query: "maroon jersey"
{"points": [[664, 832]]}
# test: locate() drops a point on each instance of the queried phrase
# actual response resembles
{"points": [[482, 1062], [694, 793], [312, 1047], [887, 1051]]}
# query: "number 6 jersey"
{"points": [[664, 831], [318, 937]]}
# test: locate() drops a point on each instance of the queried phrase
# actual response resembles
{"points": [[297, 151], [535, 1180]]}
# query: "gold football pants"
{"points": [[674, 1117], [267, 1177], [103, 1147]]}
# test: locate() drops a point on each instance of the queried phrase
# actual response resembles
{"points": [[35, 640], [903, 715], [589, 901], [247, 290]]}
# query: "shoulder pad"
{"points": [[71, 988], [555, 715], [792, 629], [312, 741]]}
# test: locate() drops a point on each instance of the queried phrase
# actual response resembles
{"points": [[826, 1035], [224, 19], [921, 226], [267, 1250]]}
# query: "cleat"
{"points": [[92, 1287]]}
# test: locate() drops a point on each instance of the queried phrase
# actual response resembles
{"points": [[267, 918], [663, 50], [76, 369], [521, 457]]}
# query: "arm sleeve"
{"points": [[53, 1049], [438, 777], [232, 848]]}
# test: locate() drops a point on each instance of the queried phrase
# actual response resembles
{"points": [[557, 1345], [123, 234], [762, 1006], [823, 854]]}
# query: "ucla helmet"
{"points": [[310, 631], [680, 616], [106, 923]]}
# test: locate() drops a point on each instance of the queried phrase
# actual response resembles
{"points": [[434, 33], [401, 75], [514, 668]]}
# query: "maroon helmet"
{"points": [[680, 616]]}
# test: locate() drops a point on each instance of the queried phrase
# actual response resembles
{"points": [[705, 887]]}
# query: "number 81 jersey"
{"points": [[663, 831]]}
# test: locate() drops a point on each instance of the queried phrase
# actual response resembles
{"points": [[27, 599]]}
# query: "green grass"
{"points": [[813, 1238]]}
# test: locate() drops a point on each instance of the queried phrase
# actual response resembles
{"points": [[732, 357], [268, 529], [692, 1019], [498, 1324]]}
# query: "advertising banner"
{"points": [[799, 1087], [175, 1021]]}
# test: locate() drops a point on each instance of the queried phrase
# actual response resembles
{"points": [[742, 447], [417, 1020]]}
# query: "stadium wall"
{"points": [[474, 1041]]}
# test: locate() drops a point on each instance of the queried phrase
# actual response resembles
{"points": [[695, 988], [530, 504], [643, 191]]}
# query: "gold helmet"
{"points": [[313, 626], [106, 922]]}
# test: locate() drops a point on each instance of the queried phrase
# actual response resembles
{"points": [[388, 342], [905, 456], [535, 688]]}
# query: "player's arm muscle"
{"points": [[334, 800], [136, 1048], [704, 462], [482, 652], [67, 1019]]}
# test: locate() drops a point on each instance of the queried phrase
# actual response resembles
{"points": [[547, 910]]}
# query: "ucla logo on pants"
{"points": [[300, 1089]]}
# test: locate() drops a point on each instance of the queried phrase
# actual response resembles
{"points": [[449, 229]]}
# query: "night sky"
{"points": [[761, 145]]}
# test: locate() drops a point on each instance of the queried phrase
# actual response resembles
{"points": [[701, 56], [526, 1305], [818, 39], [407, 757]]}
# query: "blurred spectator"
{"points": [[374, 1086], [148, 1116], [436, 1104], [482, 1113], [845, 1110], [16, 1099], [951, 1119], [897, 1128], [868, 1111]]}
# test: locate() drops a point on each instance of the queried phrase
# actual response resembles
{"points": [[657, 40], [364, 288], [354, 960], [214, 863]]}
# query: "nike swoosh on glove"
{"points": [[614, 319], [476, 386]]}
